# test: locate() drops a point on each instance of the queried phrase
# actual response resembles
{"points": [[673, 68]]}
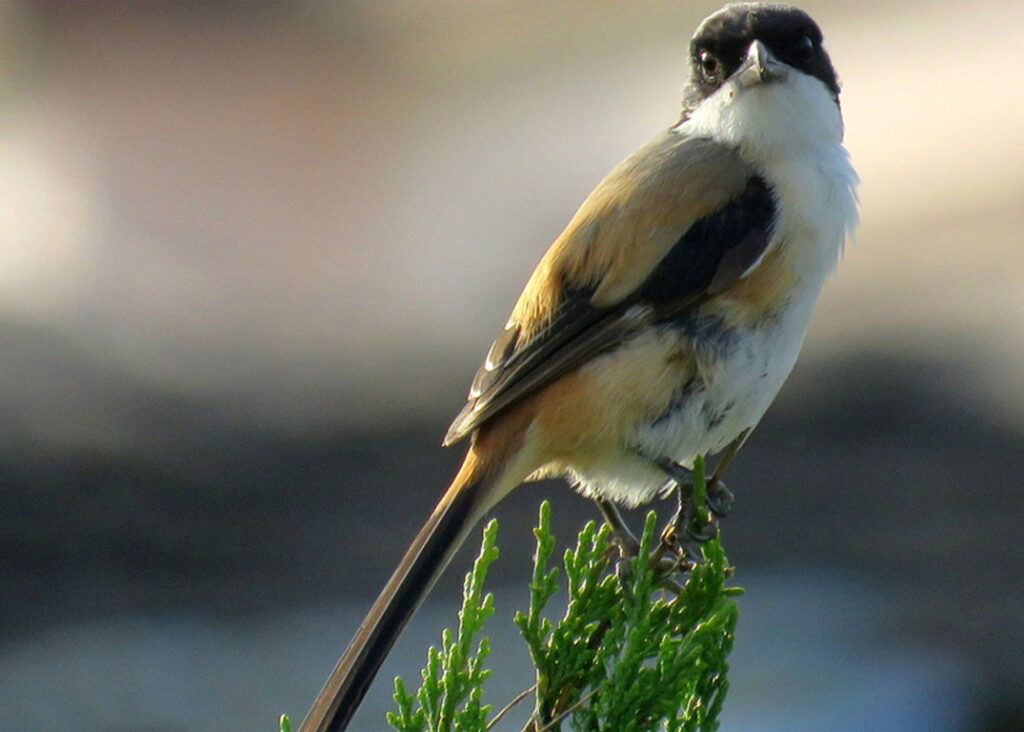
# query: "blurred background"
{"points": [[252, 253]]}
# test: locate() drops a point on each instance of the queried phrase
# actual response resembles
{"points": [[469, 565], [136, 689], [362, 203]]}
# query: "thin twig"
{"points": [[583, 700], [518, 698]]}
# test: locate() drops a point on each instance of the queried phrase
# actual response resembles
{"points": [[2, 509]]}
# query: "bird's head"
{"points": [[761, 78]]}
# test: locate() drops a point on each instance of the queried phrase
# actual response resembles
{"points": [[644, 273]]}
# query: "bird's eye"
{"points": [[805, 46], [709, 65]]}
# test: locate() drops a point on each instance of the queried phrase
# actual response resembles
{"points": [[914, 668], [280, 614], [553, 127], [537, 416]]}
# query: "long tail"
{"points": [[470, 496]]}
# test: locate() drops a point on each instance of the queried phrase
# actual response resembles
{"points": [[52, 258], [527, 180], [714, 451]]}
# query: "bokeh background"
{"points": [[251, 254]]}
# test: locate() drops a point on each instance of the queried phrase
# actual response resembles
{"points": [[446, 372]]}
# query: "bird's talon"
{"points": [[719, 498], [701, 533], [694, 555], [670, 536], [623, 571], [665, 565], [628, 546]]}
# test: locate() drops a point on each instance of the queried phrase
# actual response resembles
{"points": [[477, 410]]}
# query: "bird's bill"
{"points": [[759, 67]]}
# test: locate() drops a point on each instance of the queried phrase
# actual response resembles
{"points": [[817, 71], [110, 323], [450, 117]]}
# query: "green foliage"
{"points": [[286, 724], [627, 655], [450, 697]]}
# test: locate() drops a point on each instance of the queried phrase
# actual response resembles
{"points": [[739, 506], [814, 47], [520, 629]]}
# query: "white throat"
{"points": [[791, 131], [769, 121]]}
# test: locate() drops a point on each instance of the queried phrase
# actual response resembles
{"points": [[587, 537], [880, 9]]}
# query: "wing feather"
{"points": [[679, 220]]}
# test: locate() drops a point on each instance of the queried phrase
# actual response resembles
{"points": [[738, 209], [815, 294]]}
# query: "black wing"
{"points": [[713, 254]]}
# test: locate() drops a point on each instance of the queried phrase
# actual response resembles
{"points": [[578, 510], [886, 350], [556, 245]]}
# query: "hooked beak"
{"points": [[760, 67]]}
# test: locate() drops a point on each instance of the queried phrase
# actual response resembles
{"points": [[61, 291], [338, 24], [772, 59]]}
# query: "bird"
{"points": [[662, 322]]}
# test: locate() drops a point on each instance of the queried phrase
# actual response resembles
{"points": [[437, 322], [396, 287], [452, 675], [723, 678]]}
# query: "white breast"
{"points": [[791, 132]]}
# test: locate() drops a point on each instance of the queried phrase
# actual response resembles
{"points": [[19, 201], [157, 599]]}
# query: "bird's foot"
{"points": [[691, 525], [697, 523], [679, 546], [664, 559], [719, 498]]}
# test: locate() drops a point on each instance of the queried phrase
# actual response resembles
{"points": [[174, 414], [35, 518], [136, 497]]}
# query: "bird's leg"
{"points": [[717, 498], [629, 545], [667, 556], [673, 551], [720, 498], [681, 481], [685, 522]]}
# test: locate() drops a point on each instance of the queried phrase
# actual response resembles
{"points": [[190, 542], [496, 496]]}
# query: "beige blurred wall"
{"points": [[325, 210]]}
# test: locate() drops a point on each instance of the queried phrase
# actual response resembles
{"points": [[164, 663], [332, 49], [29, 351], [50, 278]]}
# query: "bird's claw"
{"points": [[719, 499], [679, 548]]}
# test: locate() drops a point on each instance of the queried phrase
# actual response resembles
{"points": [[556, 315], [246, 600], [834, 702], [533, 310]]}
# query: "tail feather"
{"points": [[464, 503]]}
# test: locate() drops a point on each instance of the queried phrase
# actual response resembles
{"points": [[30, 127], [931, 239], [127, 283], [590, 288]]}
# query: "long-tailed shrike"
{"points": [[662, 322]]}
